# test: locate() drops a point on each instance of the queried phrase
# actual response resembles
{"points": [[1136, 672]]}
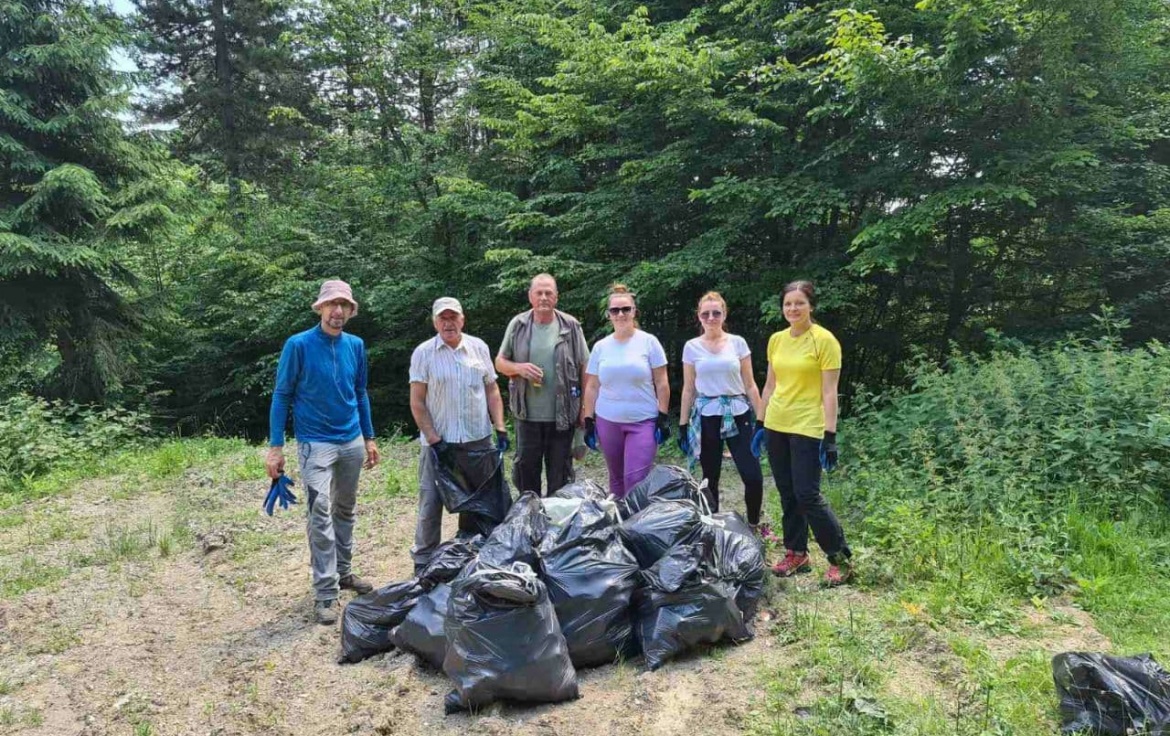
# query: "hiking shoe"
{"points": [[838, 574], [326, 612], [793, 563], [354, 583]]}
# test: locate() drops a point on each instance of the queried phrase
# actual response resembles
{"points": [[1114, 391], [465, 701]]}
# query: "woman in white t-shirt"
{"points": [[720, 403], [626, 396]]}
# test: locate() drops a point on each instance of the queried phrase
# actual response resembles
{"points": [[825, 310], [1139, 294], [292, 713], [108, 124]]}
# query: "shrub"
{"points": [[37, 436]]}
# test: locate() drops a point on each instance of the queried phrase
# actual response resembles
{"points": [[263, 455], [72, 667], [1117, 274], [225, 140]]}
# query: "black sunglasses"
{"points": [[620, 310], [712, 314]]}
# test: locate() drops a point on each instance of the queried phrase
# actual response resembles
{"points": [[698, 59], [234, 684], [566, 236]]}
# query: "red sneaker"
{"points": [[838, 575], [793, 563]]}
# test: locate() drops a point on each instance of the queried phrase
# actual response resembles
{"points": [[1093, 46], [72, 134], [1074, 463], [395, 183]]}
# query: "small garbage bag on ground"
{"points": [[597, 518], [448, 560], [682, 605], [368, 619], [665, 482], [660, 526], [591, 578], [517, 537], [737, 556], [584, 489], [472, 481], [1107, 695], [422, 632], [504, 642]]}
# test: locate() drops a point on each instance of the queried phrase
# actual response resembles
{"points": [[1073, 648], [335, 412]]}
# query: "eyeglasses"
{"points": [[620, 310], [710, 314]]}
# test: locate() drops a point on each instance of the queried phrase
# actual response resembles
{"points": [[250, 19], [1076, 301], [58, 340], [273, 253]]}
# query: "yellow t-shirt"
{"points": [[797, 406]]}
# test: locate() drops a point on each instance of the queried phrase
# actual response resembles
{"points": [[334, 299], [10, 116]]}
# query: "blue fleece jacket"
{"points": [[323, 378]]}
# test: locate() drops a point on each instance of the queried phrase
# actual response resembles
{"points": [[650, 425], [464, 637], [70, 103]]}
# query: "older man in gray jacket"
{"points": [[544, 355]]}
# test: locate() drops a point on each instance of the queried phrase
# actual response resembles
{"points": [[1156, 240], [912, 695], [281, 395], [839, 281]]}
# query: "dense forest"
{"points": [[954, 174]]}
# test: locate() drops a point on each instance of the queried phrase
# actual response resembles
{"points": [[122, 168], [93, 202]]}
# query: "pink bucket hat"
{"points": [[335, 289]]}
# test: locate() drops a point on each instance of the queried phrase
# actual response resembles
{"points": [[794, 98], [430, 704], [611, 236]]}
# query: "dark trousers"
{"points": [[711, 460], [796, 467], [540, 444]]}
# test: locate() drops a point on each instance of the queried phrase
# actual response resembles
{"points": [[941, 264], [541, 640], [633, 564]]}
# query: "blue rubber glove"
{"points": [[829, 451], [662, 428], [280, 491], [591, 433], [758, 439], [684, 440], [502, 442]]}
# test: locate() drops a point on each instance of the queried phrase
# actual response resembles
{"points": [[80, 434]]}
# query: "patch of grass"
{"points": [[126, 543], [54, 640], [7, 716], [7, 687], [30, 574]]}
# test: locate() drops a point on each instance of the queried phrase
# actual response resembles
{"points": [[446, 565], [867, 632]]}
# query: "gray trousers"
{"points": [[330, 474], [429, 531]]}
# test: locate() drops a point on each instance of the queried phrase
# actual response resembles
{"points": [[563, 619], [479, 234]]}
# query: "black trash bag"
{"points": [[594, 518], [737, 556], [368, 619], [584, 489], [665, 482], [517, 538], [683, 604], [448, 560], [591, 579], [504, 642], [422, 632], [655, 529], [1102, 694], [472, 482]]}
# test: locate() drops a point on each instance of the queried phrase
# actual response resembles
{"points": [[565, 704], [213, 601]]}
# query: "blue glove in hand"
{"points": [[281, 490], [502, 443], [758, 439], [591, 433], [684, 440], [829, 451], [662, 428]]}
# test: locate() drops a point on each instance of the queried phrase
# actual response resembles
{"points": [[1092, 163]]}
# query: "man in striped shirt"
{"points": [[455, 403]]}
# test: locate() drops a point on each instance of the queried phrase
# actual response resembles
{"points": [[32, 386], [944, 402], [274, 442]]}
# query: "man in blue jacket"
{"points": [[322, 377]]}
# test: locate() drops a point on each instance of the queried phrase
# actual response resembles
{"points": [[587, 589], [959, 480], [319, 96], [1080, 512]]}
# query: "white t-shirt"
{"points": [[625, 371], [718, 373]]}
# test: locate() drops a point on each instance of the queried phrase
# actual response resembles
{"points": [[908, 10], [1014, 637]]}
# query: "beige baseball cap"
{"points": [[446, 304]]}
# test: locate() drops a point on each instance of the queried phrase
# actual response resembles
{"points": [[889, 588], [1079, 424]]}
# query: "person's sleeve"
{"points": [[359, 390], [741, 348], [489, 375], [657, 354], [287, 370], [506, 343], [582, 346], [419, 366], [830, 352], [689, 353], [594, 361]]}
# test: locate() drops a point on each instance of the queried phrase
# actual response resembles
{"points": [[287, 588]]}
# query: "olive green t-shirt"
{"points": [[541, 402]]}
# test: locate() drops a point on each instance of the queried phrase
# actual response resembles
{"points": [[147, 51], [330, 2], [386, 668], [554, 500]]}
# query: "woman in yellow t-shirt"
{"points": [[800, 423]]}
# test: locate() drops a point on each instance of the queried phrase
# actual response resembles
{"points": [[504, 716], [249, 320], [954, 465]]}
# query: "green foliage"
{"points": [[37, 437]]}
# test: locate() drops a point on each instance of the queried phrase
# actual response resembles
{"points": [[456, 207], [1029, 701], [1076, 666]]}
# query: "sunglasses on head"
{"points": [[620, 310], [711, 314]]}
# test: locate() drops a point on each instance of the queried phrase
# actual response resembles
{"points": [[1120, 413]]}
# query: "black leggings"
{"points": [[796, 467], [711, 460]]}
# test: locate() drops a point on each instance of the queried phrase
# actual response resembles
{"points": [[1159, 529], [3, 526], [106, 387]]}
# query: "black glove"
{"points": [[444, 453], [502, 443], [662, 428], [829, 451]]}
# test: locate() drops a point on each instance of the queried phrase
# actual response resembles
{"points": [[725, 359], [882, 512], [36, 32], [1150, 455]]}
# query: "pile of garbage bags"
{"points": [[1108, 695], [571, 581]]}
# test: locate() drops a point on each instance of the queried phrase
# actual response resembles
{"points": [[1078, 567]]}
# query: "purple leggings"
{"points": [[629, 451]]}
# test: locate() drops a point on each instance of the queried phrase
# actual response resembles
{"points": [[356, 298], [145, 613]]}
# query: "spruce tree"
{"points": [[63, 157]]}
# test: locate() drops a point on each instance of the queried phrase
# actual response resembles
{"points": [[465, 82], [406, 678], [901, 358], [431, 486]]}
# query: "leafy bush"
{"points": [[37, 436]]}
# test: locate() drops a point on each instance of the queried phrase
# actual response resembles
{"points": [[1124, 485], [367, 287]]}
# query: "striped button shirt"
{"points": [[456, 379]]}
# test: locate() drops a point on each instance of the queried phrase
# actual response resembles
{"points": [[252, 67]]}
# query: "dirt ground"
{"points": [[175, 607], [215, 635]]}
